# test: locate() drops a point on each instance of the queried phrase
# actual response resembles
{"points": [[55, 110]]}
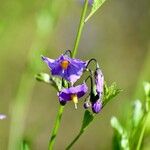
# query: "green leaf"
{"points": [[121, 135], [57, 83], [95, 6], [147, 93], [110, 92], [116, 125], [88, 118], [44, 77], [137, 113], [147, 88], [54, 81], [25, 145]]}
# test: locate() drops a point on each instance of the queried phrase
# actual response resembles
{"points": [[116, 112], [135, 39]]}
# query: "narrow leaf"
{"points": [[95, 6], [88, 118], [121, 134], [137, 113]]}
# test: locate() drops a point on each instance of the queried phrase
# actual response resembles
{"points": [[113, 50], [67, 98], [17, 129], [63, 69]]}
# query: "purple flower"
{"points": [[96, 106], [72, 94], [99, 81], [2, 116], [66, 67]]}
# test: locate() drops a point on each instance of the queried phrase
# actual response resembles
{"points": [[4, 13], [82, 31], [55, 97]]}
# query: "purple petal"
{"points": [[99, 81], [49, 62], [73, 71], [65, 94], [97, 106]]}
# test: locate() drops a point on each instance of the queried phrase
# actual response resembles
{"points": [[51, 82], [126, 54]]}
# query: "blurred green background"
{"points": [[117, 36]]}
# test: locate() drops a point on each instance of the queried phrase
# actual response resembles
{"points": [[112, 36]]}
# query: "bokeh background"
{"points": [[118, 36]]}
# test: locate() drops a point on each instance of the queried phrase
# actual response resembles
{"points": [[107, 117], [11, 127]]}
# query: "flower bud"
{"points": [[87, 104], [96, 107]]}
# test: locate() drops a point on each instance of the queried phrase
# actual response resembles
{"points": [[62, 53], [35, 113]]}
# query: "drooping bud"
{"points": [[97, 106], [87, 104]]}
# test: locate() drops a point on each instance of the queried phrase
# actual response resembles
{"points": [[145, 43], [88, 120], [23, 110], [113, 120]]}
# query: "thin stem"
{"points": [[75, 139], [144, 124], [142, 133], [80, 28], [88, 17], [56, 127], [60, 111]]}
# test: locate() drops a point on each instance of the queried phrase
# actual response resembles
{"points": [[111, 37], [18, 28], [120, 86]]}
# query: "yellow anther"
{"points": [[64, 64], [74, 98]]}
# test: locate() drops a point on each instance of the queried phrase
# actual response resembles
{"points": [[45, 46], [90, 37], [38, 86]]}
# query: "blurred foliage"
{"points": [[132, 137]]}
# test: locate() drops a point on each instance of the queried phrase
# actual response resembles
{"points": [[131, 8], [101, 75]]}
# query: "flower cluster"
{"points": [[70, 70]]}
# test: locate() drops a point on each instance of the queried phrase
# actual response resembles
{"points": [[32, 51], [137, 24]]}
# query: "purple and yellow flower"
{"points": [[2, 116], [72, 94], [66, 67]]}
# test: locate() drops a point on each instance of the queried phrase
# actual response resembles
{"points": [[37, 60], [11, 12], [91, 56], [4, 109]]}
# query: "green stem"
{"points": [[144, 124], [75, 139], [55, 129], [60, 111], [80, 28], [142, 133]]}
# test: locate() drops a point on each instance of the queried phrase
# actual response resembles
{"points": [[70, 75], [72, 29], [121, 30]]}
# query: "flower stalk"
{"points": [[80, 28], [75, 139], [61, 109], [56, 127]]}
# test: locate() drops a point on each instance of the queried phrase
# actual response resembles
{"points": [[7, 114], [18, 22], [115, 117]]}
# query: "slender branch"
{"points": [[75, 139], [56, 127], [80, 28]]}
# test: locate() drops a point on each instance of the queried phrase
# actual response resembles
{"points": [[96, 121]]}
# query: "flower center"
{"points": [[74, 98], [64, 64]]}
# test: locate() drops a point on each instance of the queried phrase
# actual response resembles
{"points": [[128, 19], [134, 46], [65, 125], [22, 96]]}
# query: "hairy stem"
{"points": [[80, 29]]}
